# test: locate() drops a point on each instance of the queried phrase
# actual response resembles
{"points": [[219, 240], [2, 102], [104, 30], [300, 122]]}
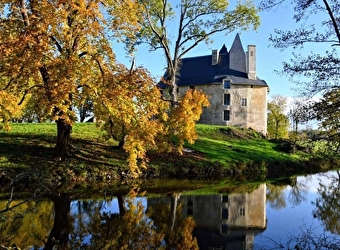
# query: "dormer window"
{"points": [[226, 84]]}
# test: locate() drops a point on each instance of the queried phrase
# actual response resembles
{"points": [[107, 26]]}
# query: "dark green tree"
{"points": [[316, 73]]}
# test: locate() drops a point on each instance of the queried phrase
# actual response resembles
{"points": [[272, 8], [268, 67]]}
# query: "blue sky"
{"points": [[269, 59]]}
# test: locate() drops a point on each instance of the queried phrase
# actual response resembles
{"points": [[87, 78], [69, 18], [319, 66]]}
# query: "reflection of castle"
{"points": [[225, 221]]}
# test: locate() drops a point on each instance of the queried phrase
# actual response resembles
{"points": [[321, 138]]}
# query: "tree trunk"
{"points": [[63, 139], [121, 204], [174, 204], [59, 235], [174, 94]]}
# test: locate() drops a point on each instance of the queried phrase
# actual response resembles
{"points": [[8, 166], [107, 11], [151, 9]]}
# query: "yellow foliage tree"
{"points": [[132, 112], [51, 48], [8, 108], [57, 53], [185, 115]]}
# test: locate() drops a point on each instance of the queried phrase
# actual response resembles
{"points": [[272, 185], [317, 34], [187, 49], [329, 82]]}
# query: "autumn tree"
{"points": [[278, 122], [133, 114], [315, 73], [53, 50], [178, 27]]}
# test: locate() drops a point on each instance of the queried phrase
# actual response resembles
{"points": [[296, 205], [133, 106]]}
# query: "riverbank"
{"points": [[219, 151]]}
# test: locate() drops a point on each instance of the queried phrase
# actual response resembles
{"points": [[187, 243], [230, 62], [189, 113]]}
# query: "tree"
{"points": [[327, 205], [278, 122], [315, 73], [53, 50], [134, 114], [8, 108], [299, 113], [194, 22], [327, 110], [85, 109]]}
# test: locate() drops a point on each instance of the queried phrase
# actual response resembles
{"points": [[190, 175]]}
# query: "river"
{"points": [[296, 213]]}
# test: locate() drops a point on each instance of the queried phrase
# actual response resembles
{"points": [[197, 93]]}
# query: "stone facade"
{"points": [[237, 96], [252, 115]]}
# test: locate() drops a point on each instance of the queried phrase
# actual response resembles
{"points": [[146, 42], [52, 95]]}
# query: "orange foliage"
{"points": [[57, 53], [132, 111], [8, 108], [50, 49], [185, 115]]}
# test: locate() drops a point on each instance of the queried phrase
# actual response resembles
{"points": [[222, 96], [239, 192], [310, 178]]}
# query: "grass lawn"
{"points": [[217, 149]]}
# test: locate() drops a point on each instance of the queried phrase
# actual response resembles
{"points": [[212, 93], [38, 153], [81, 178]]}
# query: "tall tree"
{"points": [[52, 49], [315, 73], [298, 113], [278, 122], [327, 110], [193, 22]]}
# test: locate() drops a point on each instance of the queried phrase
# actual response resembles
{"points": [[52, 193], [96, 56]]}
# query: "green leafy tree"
{"points": [[316, 73], [327, 111], [178, 27], [278, 122]]}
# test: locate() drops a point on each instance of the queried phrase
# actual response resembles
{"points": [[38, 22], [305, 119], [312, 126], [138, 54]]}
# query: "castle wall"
{"points": [[253, 115]]}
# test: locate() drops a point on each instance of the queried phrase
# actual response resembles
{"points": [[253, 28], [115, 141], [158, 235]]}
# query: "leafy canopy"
{"points": [[278, 122]]}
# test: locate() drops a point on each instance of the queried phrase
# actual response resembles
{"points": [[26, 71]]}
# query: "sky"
{"points": [[268, 58]]}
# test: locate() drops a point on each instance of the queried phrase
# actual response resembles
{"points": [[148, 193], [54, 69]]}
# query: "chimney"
{"points": [[251, 62], [214, 57]]}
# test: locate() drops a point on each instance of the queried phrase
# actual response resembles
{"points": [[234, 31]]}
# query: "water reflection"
{"points": [[327, 206], [222, 221], [136, 220]]}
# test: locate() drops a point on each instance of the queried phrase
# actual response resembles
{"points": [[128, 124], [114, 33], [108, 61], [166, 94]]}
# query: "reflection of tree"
{"points": [[276, 196], [128, 230], [25, 223], [170, 221], [328, 204], [131, 228], [298, 193], [59, 234], [83, 224]]}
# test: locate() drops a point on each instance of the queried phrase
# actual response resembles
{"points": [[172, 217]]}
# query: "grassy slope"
{"points": [[31, 146], [227, 146]]}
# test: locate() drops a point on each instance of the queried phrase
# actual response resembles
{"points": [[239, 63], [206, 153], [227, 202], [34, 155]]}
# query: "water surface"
{"points": [[301, 211]]}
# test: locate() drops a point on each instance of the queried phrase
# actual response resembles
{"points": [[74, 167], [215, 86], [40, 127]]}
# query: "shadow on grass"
{"points": [[37, 151]]}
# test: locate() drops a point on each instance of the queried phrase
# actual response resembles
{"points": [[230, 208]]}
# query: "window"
{"points": [[226, 115], [242, 211], [224, 228], [244, 102], [225, 213], [226, 99], [225, 198], [226, 84]]}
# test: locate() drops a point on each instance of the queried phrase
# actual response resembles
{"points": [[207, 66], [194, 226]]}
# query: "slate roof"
{"points": [[199, 70]]}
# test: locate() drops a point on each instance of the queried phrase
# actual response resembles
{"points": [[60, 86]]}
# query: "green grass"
{"points": [[219, 150], [228, 149]]}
